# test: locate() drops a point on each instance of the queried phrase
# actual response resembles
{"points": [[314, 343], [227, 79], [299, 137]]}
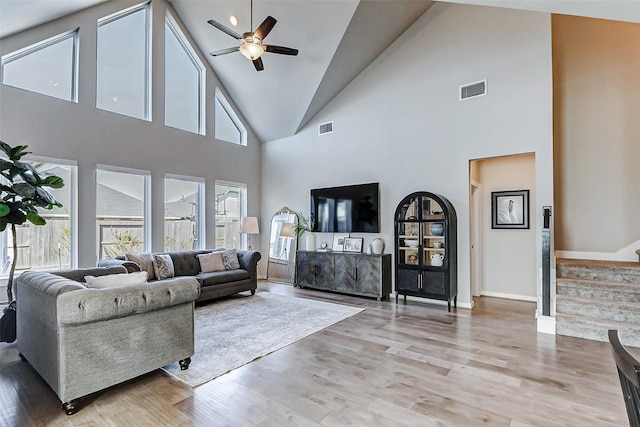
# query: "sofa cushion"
{"points": [[185, 263], [227, 276], [163, 266], [115, 280], [79, 274], [230, 259], [145, 261], [211, 262]]}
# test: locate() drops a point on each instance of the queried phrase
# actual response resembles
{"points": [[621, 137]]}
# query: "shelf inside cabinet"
{"points": [[434, 237], [441, 250]]}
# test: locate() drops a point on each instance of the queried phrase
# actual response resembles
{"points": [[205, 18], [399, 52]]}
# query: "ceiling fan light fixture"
{"points": [[252, 50]]}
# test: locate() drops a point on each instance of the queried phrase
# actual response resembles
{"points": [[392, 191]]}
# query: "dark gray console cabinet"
{"points": [[349, 273], [426, 248]]}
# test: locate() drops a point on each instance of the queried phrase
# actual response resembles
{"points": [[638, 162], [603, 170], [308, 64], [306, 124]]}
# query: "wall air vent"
{"points": [[473, 90], [325, 128]]}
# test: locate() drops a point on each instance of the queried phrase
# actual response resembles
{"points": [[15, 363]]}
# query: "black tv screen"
{"points": [[347, 209]]}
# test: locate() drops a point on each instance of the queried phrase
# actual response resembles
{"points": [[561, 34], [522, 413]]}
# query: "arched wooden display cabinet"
{"points": [[426, 261]]}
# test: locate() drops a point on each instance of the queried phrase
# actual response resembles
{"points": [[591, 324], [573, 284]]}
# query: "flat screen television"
{"points": [[346, 209]]}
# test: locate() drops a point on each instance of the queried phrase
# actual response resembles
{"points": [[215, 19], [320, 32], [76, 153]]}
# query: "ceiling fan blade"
{"points": [[265, 28], [258, 64], [280, 49], [224, 51], [225, 29]]}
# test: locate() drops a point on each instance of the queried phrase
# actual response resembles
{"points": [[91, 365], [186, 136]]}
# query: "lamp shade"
{"points": [[249, 225], [287, 230]]}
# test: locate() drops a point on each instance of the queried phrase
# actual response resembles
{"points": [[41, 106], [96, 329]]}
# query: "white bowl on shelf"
{"points": [[412, 243]]}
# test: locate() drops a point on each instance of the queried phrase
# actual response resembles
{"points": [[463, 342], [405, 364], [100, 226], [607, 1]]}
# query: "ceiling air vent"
{"points": [[325, 128], [473, 89]]}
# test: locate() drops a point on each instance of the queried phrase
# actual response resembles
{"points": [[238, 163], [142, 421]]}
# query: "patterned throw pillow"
{"points": [[230, 259], [211, 262], [145, 261], [163, 266], [114, 280]]}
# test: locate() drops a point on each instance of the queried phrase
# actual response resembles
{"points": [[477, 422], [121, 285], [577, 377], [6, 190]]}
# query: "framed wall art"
{"points": [[338, 241], [510, 209]]}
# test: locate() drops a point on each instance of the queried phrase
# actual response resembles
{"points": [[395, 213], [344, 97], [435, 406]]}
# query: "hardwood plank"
{"points": [[390, 365]]}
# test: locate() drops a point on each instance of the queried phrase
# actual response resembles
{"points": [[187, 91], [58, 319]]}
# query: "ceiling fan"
{"points": [[251, 46]]}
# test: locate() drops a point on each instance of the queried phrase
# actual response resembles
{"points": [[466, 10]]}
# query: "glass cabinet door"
{"points": [[409, 232], [433, 233]]}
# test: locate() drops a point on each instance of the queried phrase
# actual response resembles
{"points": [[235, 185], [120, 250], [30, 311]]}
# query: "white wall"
{"points": [[400, 122], [60, 129], [508, 256]]}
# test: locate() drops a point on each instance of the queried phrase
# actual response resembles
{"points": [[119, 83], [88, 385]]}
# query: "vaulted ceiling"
{"points": [[336, 41]]}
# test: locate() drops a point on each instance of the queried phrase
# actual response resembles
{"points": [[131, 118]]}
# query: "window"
{"points": [[122, 211], [183, 214], [230, 207], [227, 124], [123, 68], [53, 245], [48, 67], [183, 82]]}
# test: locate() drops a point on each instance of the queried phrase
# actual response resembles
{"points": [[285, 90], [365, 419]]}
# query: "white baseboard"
{"points": [[546, 325], [509, 296]]}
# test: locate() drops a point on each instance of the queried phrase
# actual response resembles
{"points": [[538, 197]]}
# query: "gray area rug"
{"points": [[232, 333]]}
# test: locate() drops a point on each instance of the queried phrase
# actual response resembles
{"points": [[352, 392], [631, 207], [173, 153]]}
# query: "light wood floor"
{"points": [[413, 365]]}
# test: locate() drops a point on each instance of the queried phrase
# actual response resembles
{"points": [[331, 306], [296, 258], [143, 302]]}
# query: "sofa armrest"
{"points": [[76, 304], [249, 261], [92, 305], [131, 266]]}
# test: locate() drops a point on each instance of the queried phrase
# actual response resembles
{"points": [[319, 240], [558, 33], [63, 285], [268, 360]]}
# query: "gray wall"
{"points": [[400, 122], [80, 132]]}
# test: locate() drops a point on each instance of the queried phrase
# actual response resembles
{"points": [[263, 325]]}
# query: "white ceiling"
{"points": [[336, 39]]}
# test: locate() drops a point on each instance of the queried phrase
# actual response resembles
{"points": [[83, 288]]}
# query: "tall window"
{"points": [[123, 69], [51, 246], [183, 82], [230, 207], [48, 67], [122, 211], [183, 214], [227, 124]]}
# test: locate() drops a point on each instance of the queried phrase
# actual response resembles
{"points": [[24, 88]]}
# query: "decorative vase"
{"points": [[310, 241], [437, 260], [436, 228], [378, 245]]}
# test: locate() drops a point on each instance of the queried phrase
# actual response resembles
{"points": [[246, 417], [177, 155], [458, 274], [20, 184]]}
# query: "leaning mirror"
{"points": [[283, 244]]}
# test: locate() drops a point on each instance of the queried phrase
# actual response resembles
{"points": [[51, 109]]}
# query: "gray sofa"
{"points": [[212, 285], [82, 340]]}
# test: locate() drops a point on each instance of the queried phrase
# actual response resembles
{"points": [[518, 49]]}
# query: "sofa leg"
{"points": [[71, 407], [253, 291], [184, 363]]}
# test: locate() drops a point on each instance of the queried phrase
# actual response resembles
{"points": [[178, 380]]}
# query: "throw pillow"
{"points": [[163, 266], [115, 280], [145, 261], [211, 262], [230, 259]]}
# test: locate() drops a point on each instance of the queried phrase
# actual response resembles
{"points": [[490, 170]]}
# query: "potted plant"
{"points": [[305, 225], [22, 192]]}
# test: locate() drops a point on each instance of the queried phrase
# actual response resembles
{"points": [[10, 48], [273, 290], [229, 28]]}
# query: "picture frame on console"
{"points": [[353, 244], [338, 241]]}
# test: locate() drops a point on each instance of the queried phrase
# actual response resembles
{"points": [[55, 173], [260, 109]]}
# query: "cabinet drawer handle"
{"points": [[356, 274]]}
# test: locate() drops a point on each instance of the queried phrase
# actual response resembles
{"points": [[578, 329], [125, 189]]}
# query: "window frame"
{"points": [[231, 113], [173, 26], [148, 110], [73, 211], [43, 44], [146, 220], [201, 211], [242, 189]]}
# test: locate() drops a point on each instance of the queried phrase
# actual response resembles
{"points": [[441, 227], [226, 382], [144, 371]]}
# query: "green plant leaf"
{"points": [[35, 219], [24, 189], [5, 147], [53, 182], [17, 152], [4, 209]]}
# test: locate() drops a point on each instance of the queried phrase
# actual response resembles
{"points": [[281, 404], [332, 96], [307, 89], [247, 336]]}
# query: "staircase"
{"points": [[595, 296]]}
